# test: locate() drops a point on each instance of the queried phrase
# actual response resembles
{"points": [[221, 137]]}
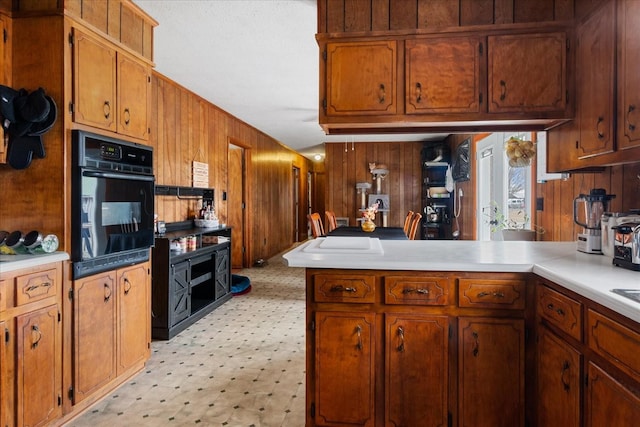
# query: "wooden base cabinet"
{"points": [[491, 372], [415, 349], [345, 384], [31, 349], [112, 327], [558, 381], [590, 379]]}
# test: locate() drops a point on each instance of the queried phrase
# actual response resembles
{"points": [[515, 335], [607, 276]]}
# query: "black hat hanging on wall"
{"points": [[25, 118]]}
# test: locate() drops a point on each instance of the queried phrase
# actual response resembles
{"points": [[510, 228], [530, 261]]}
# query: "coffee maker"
{"points": [[589, 216]]}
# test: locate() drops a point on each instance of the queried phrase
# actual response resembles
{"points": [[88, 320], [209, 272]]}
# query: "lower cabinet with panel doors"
{"points": [[588, 369], [406, 348], [111, 329], [31, 350]]}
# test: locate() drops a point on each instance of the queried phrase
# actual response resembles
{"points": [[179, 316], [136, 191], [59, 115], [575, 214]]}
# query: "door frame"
{"points": [[246, 199]]}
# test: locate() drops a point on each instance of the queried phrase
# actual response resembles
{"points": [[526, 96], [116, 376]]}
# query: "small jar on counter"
{"points": [[192, 243]]}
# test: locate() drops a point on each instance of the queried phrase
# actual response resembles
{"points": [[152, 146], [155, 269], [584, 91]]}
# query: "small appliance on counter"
{"points": [[594, 205], [607, 223], [626, 249]]}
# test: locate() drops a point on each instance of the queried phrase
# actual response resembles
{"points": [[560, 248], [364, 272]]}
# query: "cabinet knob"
{"points": [[632, 126], [106, 108]]}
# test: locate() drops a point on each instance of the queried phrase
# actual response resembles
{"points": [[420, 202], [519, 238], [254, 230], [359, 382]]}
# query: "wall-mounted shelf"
{"points": [[184, 192]]}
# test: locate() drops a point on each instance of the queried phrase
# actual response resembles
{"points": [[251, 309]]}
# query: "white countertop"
{"points": [[16, 262], [592, 276]]}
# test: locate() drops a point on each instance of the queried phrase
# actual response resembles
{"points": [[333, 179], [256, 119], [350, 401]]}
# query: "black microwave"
{"points": [[112, 203]]}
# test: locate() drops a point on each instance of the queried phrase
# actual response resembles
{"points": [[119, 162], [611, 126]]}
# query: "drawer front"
{"points": [[561, 311], [416, 290], [344, 288], [492, 293], [614, 341], [36, 286]]}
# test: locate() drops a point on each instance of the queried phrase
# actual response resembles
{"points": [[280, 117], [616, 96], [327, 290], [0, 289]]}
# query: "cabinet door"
{"points": [[134, 316], [595, 88], [361, 78], [222, 274], [417, 375], [5, 375], [609, 403], [5, 72], [558, 374], [134, 84], [345, 369], [491, 372], [629, 74], [94, 322], [39, 367], [94, 82], [179, 299], [444, 75], [528, 73]]}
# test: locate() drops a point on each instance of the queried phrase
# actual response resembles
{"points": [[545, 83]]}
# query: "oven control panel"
{"points": [[110, 151]]}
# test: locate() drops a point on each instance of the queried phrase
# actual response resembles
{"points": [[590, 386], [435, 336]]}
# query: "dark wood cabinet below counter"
{"points": [[189, 284]]}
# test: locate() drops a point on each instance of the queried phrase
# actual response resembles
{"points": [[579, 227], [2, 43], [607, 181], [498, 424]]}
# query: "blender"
{"points": [[594, 205]]}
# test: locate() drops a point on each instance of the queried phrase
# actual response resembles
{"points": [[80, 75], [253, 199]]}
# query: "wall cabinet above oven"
{"points": [[111, 89]]}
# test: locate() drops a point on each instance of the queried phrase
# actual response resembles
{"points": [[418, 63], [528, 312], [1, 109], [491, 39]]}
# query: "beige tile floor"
{"points": [[240, 366]]}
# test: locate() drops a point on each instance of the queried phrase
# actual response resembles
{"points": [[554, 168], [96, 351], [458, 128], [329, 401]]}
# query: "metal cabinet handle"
{"points": [[418, 291], [381, 93], [340, 288], [107, 293], [359, 335], [476, 344], [557, 310], [400, 347], [493, 294], [127, 116], [418, 92], [632, 126], [600, 134], [36, 330], [106, 108], [127, 288], [503, 90], [40, 285], [563, 374]]}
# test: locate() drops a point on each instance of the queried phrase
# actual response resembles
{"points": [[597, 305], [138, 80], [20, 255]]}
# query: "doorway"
{"points": [[501, 186], [295, 185], [236, 205]]}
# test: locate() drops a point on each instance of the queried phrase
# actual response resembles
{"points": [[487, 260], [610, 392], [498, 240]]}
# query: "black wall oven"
{"points": [[112, 203]]}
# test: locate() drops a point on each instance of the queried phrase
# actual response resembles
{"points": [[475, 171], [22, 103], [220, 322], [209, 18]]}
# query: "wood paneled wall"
{"points": [[348, 164], [337, 16], [185, 127], [557, 214]]}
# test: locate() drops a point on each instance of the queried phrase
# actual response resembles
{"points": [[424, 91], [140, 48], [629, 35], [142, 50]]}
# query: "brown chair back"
{"points": [[316, 224], [415, 223], [331, 222], [407, 222]]}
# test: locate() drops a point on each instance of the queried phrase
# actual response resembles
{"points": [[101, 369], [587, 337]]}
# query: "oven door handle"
{"points": [[132, 177]]}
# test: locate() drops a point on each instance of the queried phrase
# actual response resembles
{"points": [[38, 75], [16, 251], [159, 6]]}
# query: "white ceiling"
{"points": [[256, 59]]}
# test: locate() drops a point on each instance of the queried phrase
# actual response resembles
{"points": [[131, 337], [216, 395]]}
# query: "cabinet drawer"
{"points": [[416, 290], [36, 286], [615, 342], [344, 288], [561, 311], [491, 293]]}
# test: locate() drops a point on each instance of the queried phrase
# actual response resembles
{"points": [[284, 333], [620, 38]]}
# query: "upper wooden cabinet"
{"points": [[528, 73], [361, 78], [134, 97], [444, 75], [628, 75], [595, 65], [94, 82], [111, 90], [427, 82]]}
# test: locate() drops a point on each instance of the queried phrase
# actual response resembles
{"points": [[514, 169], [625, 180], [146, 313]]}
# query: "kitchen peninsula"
{"points": [[468, 333]]}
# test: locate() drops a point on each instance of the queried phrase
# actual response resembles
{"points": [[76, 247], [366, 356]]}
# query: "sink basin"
{"points": [[633, 294]]}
